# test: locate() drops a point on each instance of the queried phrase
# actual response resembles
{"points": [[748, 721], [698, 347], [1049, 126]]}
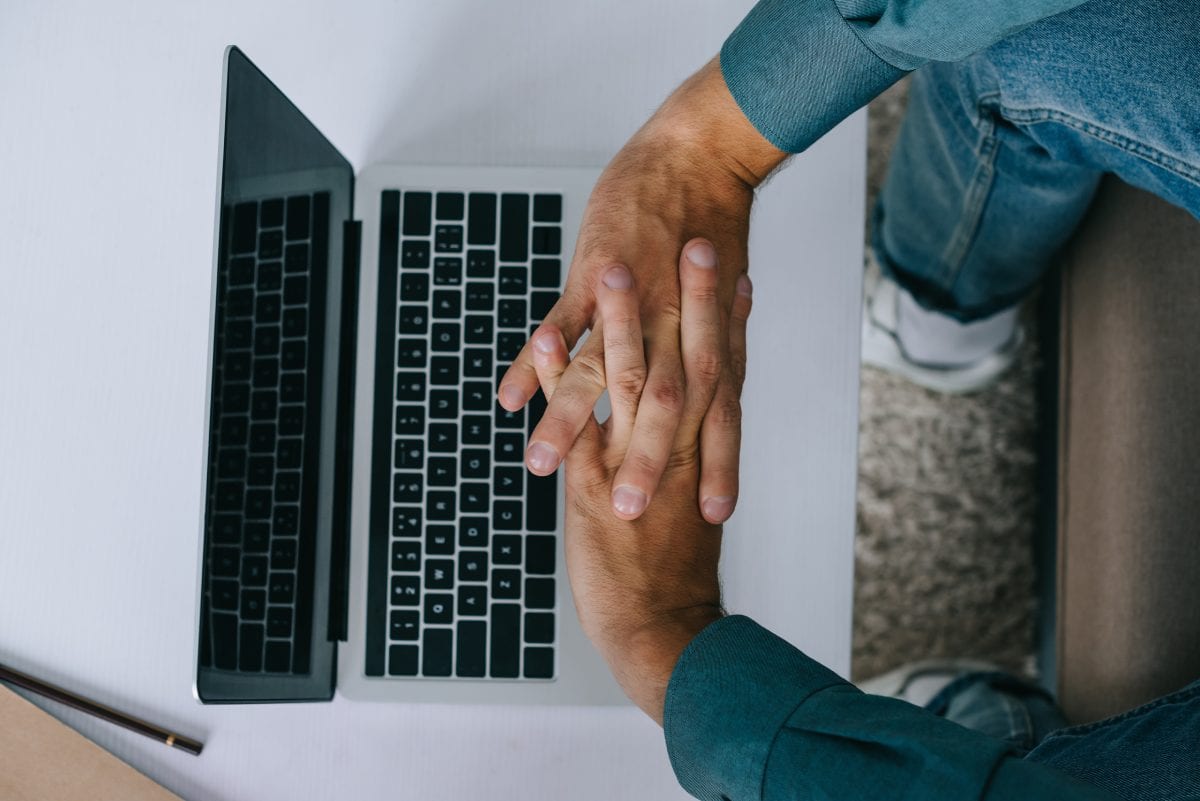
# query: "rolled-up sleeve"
{"points": [[750, 717], [798, 67]]}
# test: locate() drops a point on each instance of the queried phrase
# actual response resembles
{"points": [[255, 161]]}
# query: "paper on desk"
{"points": [[41, 758]]}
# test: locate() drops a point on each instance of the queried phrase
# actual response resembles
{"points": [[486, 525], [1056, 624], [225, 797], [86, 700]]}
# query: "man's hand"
{"points": [[692, 168], [644, 588]]}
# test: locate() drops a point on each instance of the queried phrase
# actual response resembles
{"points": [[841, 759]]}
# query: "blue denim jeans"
{"points": [[999, 155], [1151, 753]]}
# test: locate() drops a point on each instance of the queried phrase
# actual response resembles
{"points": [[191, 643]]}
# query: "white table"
{"points": [[108, 147]]}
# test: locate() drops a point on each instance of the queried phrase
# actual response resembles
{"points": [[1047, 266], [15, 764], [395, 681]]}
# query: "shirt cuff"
{"points": [[732, 690], [796, 68]]}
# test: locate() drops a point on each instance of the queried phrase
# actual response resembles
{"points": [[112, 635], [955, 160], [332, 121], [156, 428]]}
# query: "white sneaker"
{"points": [[882, 348]]}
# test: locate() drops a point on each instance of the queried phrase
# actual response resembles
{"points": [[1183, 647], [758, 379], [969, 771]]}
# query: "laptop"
{"points": [[369, 526]]}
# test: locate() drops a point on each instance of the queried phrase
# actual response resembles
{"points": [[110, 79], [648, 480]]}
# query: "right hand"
{"points": [[691, 169]]}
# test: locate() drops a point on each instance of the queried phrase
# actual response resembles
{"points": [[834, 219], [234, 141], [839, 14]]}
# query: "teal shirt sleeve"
{"points": [[798, 67], [749, 717]]}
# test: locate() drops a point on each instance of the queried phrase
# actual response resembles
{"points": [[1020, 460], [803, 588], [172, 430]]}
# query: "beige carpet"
{"points": [[946, 504]]}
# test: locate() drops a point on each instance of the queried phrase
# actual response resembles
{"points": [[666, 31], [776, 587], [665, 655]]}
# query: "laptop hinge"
{"points": [[339, 562]]}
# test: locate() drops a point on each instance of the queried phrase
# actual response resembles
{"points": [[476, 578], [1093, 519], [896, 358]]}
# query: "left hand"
{"points": [[644, 588]]}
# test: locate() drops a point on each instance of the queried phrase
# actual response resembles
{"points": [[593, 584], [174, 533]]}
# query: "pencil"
{"points": [[24, 681]]}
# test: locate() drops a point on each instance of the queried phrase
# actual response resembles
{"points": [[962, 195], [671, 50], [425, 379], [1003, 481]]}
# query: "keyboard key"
{"points": [[417, 210], [250, 647], [439, 574], [506, 549], [291, 388], [474, 498], [234, 429], [507, 419], [481, 218], [224, 640], [258, 504], [267, 308], [480, 297], [236, 367], [442, 471], [547, 208], [227, 529], [245, 227], [270, 213], [472, 566], [406, 557], [540, 304], [406, 590], [509, 344], [232, 464], [406, 522], [402, 660], [513, 281], [410, 454], [472, 649], [542, 507], [506, 515], [254, 571], [539, 663], [283, 554], [414, 255], [407, 487], [477, 362], [539, 593], [439, 608], [447, 305], [229, 496], [262, 438], [297, 217], [281, 588], [505, 640], [443, 404], [279, 622], [546, 273], [514, 227], [279, 657], [287, 486], [410, 420], [413, 320], [444, 371], [270, 246], [446, 336], [477, 396], [295, 290], [254, 604], [435, 660], [295, 258], [224, 594], [405, 625], [238, 334], [509, 481], [477, 430], [447, 271], [510, 446], [473, 532], [472, 600], [450, 205], [439, 505], [539, 554], [291, 420], [287, 453], [256, 537], [239, 303], [266, 373], [448, 239], [478, 330], [439, 540], [481, 264], [264, 404], [547, 239], [443, 437], [539, 627], [410, 386], [292, 354], [512, 313], [410, 353], [270, 273]]}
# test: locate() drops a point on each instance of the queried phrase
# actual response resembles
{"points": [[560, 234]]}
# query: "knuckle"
{"points": [[726, 412], [667, 394], [705, 293], [629, 382], [707, 366], [737, 366], [642, 464], [589, 364]]}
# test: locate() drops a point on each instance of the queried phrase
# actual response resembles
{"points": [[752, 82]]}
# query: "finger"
{"points": [[653, 436], [550, 357], [570, 315], [702, 337], [721, 432], [624, 352], [574, 395]]}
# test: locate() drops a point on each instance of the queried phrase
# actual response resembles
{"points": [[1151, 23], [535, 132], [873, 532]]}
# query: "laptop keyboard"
{"points": [[265, 427], [462, 552]]}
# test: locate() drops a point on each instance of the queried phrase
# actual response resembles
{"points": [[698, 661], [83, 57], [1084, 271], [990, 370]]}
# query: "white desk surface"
{"points": [[108, 149]]}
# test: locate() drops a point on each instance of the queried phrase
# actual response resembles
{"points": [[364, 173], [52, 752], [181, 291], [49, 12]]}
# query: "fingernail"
{"points": [[744, 287], [629, 501], [618, 278], [512, 397], [541, 456], [545, 343], [718, 509], [702, 254]]}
